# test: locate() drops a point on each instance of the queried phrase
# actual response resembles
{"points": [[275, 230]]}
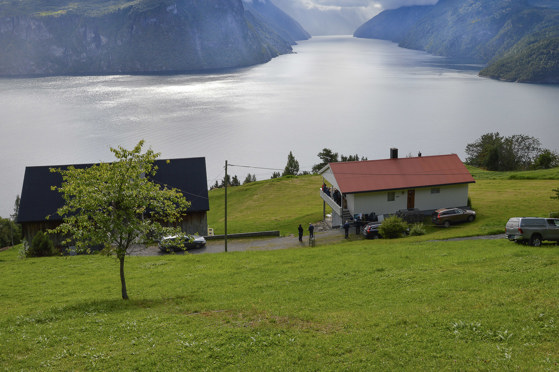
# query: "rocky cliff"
{"points": [[142, 36], [517, 39]]}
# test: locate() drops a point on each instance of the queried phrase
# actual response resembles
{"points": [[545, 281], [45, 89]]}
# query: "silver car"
{"points": [[177, 243], [532, 230]]}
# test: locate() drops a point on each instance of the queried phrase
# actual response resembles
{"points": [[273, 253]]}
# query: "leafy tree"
{"points": [[478, 152], [495, 152], [326, 156], [117, 204], [292, 166], [546, 159], [10, 232]]}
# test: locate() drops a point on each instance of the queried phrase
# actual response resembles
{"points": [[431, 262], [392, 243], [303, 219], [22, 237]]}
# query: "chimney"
{"points": [[393, 153]]}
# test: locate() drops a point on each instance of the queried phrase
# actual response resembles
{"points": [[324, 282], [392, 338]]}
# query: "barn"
{"points": [[385, 186], [38, 200]]}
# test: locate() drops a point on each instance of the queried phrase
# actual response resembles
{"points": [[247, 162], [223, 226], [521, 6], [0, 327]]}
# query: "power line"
{"points": [[254, 167]]}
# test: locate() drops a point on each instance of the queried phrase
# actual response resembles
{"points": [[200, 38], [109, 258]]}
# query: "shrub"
{"points": [[553, 214], [418, 229], [41, 246], [392, 227]]}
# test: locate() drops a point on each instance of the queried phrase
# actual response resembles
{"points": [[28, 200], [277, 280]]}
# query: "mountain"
{"points": [[517, 39], [284, 25], [82, 37], [325, 20]]}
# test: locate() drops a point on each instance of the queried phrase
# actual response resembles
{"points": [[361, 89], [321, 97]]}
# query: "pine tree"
{"points": [[292, 166]]}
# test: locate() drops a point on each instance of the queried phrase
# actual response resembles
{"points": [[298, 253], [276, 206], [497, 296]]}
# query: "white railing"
{"points": [[335, 207]]}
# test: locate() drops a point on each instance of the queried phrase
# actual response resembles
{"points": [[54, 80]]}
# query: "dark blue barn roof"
{"points": [[38, 200]]}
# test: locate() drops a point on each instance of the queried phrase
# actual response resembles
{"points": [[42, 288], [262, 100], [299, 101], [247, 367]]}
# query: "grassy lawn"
{"points": [[406, 304], [363, 305]]}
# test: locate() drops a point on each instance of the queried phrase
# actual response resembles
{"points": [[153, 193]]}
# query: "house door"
{"points": [[411, 199]]}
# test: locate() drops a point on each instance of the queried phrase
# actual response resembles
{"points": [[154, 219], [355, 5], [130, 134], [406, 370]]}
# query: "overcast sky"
{"points": [[373, 5], [339, 16]]}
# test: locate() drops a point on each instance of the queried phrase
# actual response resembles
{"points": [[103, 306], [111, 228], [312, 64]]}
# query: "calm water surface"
{"points": [[351, 95]]}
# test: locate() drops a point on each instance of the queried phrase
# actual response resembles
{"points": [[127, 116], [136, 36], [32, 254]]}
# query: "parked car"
{"points": [[173, 243], [532, 230], [370, 230], [449, 216]]}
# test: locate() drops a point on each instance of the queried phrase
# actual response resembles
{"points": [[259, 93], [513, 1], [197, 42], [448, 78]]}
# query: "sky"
{"points": [[326, 17], [373, 6]]}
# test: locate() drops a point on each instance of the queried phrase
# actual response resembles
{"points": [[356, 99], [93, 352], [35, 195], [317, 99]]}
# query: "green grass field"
{"points": [[406, 304]]}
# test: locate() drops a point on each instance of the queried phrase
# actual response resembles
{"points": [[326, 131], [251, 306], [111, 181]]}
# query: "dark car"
{"points": [[449, 216], [177, 243], [370, 230]]}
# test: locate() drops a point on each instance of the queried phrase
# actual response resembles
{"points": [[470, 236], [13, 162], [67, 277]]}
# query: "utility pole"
{"points": [[226, 181]]}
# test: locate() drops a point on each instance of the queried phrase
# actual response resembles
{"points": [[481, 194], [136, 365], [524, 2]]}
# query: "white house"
{"points": [[388, 185]]}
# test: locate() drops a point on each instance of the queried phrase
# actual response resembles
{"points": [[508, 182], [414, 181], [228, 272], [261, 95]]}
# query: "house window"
{"points": [[436, 190], [391, 196]]}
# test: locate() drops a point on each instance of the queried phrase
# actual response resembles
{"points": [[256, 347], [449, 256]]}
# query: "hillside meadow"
{"points": [[282, 204], [408, 304]]}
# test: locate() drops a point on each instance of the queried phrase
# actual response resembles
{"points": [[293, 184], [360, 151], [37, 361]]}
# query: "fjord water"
{"points": [[351, 95]]}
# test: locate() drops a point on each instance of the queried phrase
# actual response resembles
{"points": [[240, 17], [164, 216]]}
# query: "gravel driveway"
{"points": [[258, 244], [265, 244]]}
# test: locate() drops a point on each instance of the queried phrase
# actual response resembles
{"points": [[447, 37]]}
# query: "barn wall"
{"points": [[31, 228], [195, 223]]}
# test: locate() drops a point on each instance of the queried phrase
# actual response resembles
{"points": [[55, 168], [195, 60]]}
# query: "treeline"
{"points": [[10, 231], [291, 168], [517, 152]]}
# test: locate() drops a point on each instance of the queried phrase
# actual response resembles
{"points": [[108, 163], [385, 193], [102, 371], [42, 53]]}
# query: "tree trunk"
{"points": [[122, 280]]}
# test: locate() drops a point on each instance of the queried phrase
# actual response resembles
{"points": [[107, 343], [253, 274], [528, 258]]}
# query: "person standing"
{"points": [[300, 228], [311, 231], [346, 229]]}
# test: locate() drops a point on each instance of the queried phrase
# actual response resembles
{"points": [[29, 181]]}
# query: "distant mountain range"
{"points": [[518, 40], [82, 37]]}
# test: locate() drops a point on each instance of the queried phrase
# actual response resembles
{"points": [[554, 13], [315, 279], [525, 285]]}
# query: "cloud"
{"points": [[320, 17], [365, 4]]}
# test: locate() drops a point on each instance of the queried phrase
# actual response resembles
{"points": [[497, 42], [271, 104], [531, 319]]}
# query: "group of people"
{"points": [[311, 231], [336, 195]]}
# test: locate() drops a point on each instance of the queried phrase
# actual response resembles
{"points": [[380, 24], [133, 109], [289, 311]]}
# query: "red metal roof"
{"points": [[401, 173]]}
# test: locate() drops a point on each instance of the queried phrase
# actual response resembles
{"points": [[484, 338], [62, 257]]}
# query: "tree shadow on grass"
{"points": [[119, 305]]}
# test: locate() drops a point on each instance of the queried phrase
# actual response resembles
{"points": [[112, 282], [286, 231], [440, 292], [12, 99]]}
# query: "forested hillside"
{"points": [[117, 36], [516, 39]]}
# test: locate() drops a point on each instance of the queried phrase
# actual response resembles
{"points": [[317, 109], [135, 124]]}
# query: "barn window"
{"points": [[436, 190], [391, 196]]}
